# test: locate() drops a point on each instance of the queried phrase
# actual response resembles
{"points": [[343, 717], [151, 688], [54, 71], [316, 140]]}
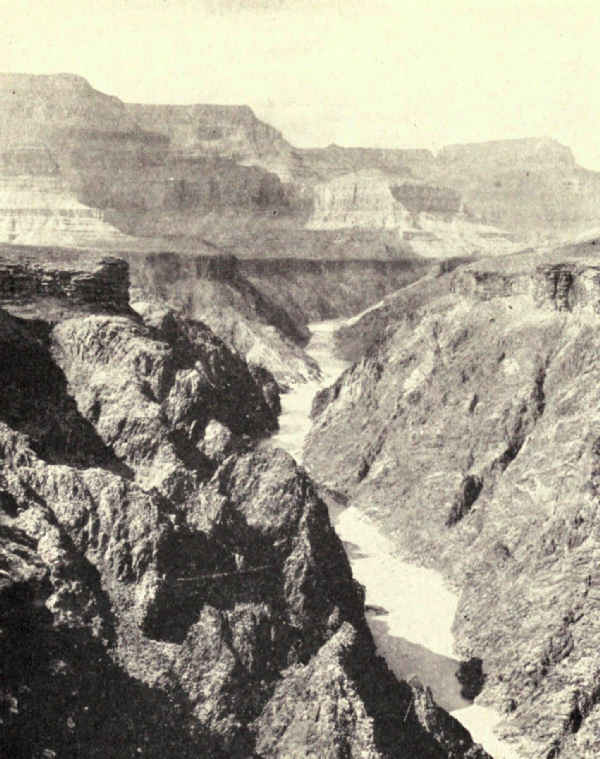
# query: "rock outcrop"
{"points": [[530, 185], [430, 220], [231, 132], [42, 210], [214, 290], [167, 586], [82, 168], [31, 279], [363, 199], [261, 308], [469, 429]]}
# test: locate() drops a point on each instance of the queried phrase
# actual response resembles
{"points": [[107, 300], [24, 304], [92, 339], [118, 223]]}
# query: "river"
{"points": [[410, 609]]}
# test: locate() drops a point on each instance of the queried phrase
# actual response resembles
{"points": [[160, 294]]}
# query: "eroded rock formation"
{"points": [[79, 167], [166, 586], [469, 429]]}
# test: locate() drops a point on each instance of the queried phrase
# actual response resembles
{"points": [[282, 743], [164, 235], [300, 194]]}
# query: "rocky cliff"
{"points": [[361, 199], [49, 282], [73, 152], [430, 221], [529, 185], [214, 290], [82, 168], [315, 290], [165, 585], [260, 308], [468, 428], [231, 132]]}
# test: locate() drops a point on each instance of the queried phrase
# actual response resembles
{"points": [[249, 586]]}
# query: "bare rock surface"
{"points": [[82, 168], [213, 290], [166, 586], [469, 429], [260, 308]]}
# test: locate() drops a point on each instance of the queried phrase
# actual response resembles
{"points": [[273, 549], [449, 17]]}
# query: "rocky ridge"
{"points": [[468, 429], [165, 585], [83, 168]]}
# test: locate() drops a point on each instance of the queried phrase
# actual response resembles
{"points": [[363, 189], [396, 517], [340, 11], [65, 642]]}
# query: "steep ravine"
{"points": [[410, 608], [167, 586], [468, 432]]}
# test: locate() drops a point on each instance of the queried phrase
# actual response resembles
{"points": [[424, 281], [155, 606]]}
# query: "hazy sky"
{"points": [[356, 72]]}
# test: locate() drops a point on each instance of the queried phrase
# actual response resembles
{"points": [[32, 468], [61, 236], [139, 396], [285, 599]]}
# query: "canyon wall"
{"points": [[528, 185], [314, 290], [468, 429], [83, 168], [167, 585], [260, 307]]}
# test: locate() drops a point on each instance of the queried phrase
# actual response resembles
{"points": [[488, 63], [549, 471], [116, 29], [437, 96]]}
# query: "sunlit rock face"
{"points": [[174, 175], [468, 427], [45, 121], [430, 221], [363, 199], [41, 210]]}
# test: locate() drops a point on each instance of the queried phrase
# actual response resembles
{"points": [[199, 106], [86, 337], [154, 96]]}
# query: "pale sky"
{"points": [[377, 73]]}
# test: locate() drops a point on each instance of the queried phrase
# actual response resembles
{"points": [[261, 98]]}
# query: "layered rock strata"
{"points": [[83, 168]]}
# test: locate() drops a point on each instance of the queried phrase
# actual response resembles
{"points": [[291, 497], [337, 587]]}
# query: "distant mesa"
{"points": [[164, 176]]}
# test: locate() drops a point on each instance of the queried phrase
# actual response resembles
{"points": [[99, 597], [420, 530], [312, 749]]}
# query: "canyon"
{"points": [[147, 526], [79, 167], [465, 430], [298, 447]]}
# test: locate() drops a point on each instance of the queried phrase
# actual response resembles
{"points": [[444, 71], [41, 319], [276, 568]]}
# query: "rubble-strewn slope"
{"points": [[469, 428], [165, 586]]}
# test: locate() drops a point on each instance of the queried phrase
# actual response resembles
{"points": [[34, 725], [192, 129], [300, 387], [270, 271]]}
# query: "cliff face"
{"points": [[214, 290], [430, 220], [231, 132], [166, 586], [80, 167], [360, 199], [335, 161], [312, 290], [260, 308], [469, 430], [530, 185]]}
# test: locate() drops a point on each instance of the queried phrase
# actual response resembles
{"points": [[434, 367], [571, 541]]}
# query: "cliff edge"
{"points": [[166, 585]]}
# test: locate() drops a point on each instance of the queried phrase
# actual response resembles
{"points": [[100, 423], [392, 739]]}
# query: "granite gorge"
{"points": [[172, 281], [468, 428], [166, 585]]}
